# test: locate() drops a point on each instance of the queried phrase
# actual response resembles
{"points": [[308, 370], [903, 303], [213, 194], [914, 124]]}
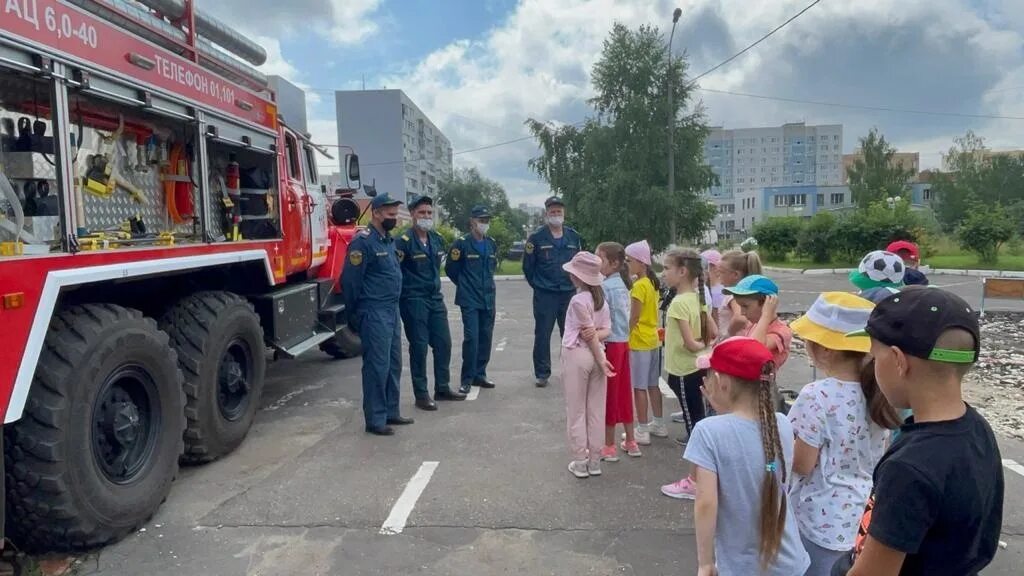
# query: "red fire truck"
{"points": [[162, 228]]}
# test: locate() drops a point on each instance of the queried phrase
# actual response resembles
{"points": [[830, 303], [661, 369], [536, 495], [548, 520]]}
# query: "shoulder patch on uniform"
{"points": [[400, 254], [355, 257], [456, 254], [529, 247]]}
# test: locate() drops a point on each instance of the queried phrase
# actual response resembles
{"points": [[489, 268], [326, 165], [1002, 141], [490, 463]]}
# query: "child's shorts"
{"points": [[644, 368]]}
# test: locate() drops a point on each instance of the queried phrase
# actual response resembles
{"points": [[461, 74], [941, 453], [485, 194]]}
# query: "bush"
{"points": [[816, 238], [861, 232], [984, 231], [1015, 246], [778, 236]]}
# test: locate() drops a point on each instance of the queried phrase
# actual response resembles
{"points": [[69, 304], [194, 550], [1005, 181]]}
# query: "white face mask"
{"points": [[556, 220], [482, 228], [425, 224]]}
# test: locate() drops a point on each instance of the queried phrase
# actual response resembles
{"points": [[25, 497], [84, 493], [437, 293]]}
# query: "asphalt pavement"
{"points": [[478, 488]]}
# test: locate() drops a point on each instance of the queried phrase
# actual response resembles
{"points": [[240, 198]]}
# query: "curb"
{"points": [[936, 271]]}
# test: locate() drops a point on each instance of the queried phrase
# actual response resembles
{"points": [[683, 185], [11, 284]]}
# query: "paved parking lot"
{"points": [[309, 491]]}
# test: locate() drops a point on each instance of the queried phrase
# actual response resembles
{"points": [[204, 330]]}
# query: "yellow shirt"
{"points": [[645, 335], [678, 360]]}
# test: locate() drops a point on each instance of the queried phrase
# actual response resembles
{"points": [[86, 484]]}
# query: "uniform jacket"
{"points": [[472, 272], [371, 278], [543, 259], [421, 265]]}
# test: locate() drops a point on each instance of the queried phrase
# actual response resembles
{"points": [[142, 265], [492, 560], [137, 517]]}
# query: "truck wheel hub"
{"points": [[233, 380]]}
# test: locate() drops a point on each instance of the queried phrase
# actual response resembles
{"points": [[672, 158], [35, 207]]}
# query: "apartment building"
{"points": [[398, 145], [748, 160]]}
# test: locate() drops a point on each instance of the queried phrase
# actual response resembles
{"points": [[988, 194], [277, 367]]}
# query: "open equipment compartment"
{"points": [[31, 202], [244, 192]]}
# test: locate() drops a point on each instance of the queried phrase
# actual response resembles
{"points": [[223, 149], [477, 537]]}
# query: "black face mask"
{"points": [[388, 224]]}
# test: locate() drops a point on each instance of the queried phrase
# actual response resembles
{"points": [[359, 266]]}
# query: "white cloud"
{"points": [[342, 22], [917, 54]]}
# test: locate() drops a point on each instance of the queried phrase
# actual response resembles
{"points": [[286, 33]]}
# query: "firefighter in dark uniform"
{"points": [[472, 261], [420, 251], [547, 249], [371, 283]]}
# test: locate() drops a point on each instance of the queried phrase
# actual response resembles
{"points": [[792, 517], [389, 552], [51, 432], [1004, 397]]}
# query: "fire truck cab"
{"points": [[162, 228]]}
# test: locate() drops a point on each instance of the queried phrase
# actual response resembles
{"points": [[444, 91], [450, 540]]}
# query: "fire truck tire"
{"points": [[97, 447], [345, 344], [222, 354]]}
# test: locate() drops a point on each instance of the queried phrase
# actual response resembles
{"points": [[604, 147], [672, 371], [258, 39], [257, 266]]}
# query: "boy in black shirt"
{"points": [[937, 503]]}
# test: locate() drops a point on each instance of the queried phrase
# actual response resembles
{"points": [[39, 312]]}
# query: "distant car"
{"points": [[515, 253]]}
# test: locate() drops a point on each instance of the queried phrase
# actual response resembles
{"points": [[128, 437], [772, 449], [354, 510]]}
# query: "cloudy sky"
{"points": [[479, 68]]}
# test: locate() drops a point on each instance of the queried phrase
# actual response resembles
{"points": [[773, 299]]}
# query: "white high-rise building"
{"points": [[397, 144], [749, 160]]}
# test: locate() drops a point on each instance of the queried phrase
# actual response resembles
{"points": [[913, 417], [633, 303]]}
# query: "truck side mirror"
{"points": [[352, 167]]}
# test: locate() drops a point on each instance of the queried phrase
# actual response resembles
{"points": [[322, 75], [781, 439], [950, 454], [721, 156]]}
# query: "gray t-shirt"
{"points": [[730, 446]]}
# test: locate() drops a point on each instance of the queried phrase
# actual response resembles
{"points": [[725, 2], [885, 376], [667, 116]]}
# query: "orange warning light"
{"points": [[14, 300]]}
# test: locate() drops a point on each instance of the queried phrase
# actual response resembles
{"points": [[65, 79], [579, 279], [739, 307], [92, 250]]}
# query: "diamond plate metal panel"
{"points": [[104, 213]]}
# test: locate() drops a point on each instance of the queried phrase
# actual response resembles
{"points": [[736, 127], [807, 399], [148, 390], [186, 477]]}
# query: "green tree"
{"points": [[467, 188], [612, 171], [816, 238], [985, 230], [874, 176], [777, 237], [503, 235]]}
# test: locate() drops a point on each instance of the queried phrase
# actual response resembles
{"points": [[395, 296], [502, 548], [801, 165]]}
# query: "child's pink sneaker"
{"points": [[609, 454], [631, 448], [685, 489]]}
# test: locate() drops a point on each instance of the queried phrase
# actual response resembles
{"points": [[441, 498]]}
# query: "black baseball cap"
{"points": [[554, 201], [913, 320], [418, 199]]}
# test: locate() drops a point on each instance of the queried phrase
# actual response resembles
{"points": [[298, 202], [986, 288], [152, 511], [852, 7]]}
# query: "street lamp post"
{"points": [[672, 125]]}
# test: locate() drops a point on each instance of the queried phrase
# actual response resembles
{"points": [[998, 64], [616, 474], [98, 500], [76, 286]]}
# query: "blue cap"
{"points": [[418, 199], [754, 284], [381, 200], [554, 201], [480, 211]]}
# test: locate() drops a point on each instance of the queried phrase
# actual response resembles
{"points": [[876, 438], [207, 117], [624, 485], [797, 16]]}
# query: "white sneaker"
{"points": [[643, 437], [659, 430], [578, 468], [679, 417], [594, 467]]}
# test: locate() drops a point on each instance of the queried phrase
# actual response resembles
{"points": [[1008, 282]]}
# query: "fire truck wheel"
{"points": [[345, 344], [96, 450], [221, 352]]}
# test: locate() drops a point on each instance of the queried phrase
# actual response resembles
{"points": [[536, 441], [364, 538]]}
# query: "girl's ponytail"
{"points": [[702, 298], [653, 278], [880, 410], [773, 497], [753, 264]]}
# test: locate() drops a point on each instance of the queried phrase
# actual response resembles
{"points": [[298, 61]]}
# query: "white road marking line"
{"points": [[501, 345], [473, 393], [1012, 465], [407, 501]]}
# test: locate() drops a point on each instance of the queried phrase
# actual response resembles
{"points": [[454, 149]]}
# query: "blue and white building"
{"points": [[749, 160]]}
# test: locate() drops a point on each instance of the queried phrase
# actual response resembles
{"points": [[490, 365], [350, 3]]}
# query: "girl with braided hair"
{"points": [[743, 459], [688, 331]]}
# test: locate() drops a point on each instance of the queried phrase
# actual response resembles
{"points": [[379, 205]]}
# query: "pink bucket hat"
{"points": [[712, 257], [640, 251], [587, 267]]}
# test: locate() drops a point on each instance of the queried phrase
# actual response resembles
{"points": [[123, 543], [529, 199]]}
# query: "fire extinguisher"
{"points": [[233, 184]]}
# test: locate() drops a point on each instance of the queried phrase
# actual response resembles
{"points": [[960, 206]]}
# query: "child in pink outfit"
{"points": [[584, 366]]}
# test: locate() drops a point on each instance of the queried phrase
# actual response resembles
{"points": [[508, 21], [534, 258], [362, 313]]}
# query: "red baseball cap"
{"points": [[738, 356], [898, 245]]}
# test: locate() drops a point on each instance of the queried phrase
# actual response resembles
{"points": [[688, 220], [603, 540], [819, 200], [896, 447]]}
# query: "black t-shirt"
{"points": [[938, 497]]}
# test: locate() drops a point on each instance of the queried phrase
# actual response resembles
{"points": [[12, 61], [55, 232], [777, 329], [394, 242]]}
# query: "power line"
{"points": [[863, 106], [758, 41]]}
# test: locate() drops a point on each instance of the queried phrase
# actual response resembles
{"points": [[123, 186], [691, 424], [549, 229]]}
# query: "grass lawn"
{"points": [[510, 268], [955, 261]]}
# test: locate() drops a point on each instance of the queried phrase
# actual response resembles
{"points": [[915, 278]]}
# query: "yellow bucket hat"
{"points": [[832, 316]]}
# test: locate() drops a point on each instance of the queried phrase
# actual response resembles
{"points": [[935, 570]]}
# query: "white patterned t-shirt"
{"points": [[832, 415]]}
